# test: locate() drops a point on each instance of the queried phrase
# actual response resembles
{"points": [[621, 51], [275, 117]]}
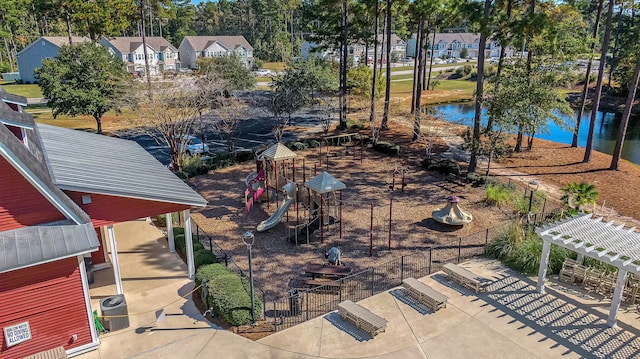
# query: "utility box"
{"points": [[114, 312]]}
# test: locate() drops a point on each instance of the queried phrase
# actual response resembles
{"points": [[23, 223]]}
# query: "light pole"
{"points": [[248, 238]]}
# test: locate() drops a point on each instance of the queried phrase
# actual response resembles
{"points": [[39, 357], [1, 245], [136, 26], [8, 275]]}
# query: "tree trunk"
{"points": [[585, 88], [387, 92], [475, 141], [144, 49], [372, 115], [416, 62], [98, 123], [68, 20], [418, 85], [343, 69], [518, 147], [624, 122], [433, 41], [503, 47], [596, 104], [612, 66]]}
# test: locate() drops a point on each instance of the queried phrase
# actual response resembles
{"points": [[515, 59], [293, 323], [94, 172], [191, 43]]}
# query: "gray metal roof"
{"points": [[325, 183], [28, 246], [278, 152], [86, 162]]}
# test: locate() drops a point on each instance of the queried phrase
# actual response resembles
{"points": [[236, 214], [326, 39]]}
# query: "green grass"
{"points": [[403, 87], [263, 78], [29, 91], [435, 66], [274, 66]]}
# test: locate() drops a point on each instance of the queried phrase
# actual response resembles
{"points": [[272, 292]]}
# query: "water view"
{"points": [[605, 135]]}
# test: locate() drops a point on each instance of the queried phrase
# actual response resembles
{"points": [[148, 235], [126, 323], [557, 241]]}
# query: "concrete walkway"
{"points": [[510, 320]]}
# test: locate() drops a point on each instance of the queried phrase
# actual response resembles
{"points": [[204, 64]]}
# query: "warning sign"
{"points": [[17, 333]]}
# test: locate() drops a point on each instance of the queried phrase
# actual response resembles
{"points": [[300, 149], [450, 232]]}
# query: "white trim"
{"points": [[37, 183], [16, 124], [103, 238], [83, 349], [15, 103], [106, 193], [87, 300], [188, 238], [170, 237], [114, 259]]}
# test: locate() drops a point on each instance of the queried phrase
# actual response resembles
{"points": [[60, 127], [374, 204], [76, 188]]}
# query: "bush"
{"points": [[203, 257], [497, 194], [313, 143], [464, 70], [355, 124], [228, 294], [387, 148], [522, 252], [299, 146], [244, 156], [445, 166]]}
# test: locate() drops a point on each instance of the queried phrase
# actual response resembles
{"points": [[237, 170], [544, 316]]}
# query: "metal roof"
{"points": [[325, 183], [278, 152], [28, 246], [86, 162], [615, 245]]}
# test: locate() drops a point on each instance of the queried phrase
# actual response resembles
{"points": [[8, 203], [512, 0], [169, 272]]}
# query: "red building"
{"points": [[62, 191]]}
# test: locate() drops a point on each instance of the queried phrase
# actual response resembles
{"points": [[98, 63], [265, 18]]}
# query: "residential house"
{"points": [[357, 51], [54, 220], [194, 47], [450, 44], [163, 57], [46, 47]]}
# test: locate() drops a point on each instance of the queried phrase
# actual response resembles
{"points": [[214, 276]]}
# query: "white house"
{"points": [[451, 44], [357, 51], [162, 55], [194, 47]]}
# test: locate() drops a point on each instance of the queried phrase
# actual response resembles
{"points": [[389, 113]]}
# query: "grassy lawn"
{"points": [[435, 66], [110, 121], [274, 66], [263, 78], [26, 90], [447, 91]]}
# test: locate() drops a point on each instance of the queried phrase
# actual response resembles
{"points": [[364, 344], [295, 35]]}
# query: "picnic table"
{"points": [[324, 270]]}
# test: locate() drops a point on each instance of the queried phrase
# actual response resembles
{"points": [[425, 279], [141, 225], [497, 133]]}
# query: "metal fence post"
{"points": [[372, 281], [486, 237], [430, 254], [459, 248], [401, 269], [210, 244]]}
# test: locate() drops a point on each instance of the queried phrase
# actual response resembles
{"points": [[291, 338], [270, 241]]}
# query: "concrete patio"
{"points": [[510, 320]]}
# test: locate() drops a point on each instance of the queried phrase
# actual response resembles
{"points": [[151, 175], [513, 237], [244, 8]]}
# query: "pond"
{"points": [[605, 134]]}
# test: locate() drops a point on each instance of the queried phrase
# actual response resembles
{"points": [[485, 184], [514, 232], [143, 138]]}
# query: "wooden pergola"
{"points": [[594, 238]]}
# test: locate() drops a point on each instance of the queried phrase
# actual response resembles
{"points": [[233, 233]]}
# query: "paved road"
{"points": [[254, 130]]}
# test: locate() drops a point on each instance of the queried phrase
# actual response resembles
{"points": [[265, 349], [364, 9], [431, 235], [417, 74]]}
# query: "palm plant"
{"points": [[576, 195]]}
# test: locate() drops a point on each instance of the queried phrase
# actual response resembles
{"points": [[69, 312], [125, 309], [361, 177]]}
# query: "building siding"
{"points": [[51, 298], [21, 205], [31, 58], [105, 210]]}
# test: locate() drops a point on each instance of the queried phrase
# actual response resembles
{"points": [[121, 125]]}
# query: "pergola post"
{"points": [[172, 242], [188, 238], [544, 263], [114, 258], [617, 297]]}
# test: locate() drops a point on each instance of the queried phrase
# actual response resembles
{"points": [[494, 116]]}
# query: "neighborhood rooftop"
{"points": [[129, 44], [200, 43], [85, 162]]}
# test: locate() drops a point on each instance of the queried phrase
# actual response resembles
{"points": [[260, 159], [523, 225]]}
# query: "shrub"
{"points": [[313, 143], [355, 124], [244, 156], [387, 148], [497, 194], [522, 252], [197, 246], [228, 294], [203, 257], [299, 146], [442, 165]]}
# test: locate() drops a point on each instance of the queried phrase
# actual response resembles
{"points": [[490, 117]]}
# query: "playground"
{"points": [[372, 207]]}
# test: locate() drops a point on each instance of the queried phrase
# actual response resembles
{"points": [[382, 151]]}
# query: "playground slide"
{"points": [[275, 218]]}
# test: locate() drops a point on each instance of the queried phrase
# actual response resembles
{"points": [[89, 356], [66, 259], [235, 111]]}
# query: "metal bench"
{"points": [[362, 317], [425, 294], [464, 277]]}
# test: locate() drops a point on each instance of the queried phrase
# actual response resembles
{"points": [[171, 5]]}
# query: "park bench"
{"points": [[465, 277], [362, 317], [425, 294]]}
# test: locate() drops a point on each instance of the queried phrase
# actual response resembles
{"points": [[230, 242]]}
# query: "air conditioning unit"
{"points": [[114, 312]]}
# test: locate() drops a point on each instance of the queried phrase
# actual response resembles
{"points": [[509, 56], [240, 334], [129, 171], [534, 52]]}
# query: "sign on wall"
{"points": [[17, 333]]}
